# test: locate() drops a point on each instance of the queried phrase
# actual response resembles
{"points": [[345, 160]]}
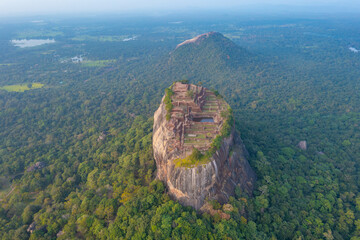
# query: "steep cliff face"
{"points": [[215, 178]]}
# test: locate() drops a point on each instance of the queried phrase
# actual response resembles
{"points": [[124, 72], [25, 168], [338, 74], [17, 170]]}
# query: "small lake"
{"points": [[24, 43], [354, 49], [129, 39]]}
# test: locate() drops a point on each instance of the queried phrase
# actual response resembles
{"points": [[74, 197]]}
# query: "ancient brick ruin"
{"points": [[195, 117]]}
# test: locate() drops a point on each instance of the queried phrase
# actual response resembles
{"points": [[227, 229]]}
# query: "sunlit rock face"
{"points": [[195, 120]]}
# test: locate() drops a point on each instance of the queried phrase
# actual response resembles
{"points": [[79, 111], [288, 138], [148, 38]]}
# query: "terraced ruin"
{"points": [[198, 153], [195, 118]]}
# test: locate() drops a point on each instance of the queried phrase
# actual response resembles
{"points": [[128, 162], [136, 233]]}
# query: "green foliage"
{"points": [[190, 93], [97, 63], [288, 152], [346, 143], [28, 213], [103, 188], [168, 102], [184, 81], [194, 159], [215, 204], [228, 123], [33, 33], [217, 94]]}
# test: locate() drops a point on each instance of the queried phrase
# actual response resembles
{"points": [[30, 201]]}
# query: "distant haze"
{"points": [[26, 7]]}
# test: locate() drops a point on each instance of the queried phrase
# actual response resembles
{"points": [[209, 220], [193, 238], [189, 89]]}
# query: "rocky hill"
{"points": [[197, 151], [214, 60], [210, 49]]}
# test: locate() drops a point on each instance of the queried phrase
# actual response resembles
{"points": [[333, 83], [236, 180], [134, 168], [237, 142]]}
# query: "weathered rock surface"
{"points": [[302, 145], [36, 166], [197, 39], [216, 179], [31, 227]]}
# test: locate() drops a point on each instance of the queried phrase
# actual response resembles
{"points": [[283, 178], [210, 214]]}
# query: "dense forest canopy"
{"points": [[76, 154]]}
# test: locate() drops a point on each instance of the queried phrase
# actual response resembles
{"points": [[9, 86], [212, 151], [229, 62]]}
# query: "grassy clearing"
{"points": [[209, 107], [5, 186], [21, 87], [97, 63], [210, 110]]}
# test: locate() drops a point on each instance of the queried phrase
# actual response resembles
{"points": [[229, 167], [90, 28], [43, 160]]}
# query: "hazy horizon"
{"points": [[23, 7]]}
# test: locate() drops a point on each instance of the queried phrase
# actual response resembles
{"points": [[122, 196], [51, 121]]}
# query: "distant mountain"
{"points": [[209, 57], [210, 48]]}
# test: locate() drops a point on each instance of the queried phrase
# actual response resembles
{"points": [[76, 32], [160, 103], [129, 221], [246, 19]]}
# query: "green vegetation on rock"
{"points": [[196, 157], [168, 102]]}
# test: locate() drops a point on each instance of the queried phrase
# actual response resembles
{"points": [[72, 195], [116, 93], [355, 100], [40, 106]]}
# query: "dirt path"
{"points": [[12, 177], [8, 194]]}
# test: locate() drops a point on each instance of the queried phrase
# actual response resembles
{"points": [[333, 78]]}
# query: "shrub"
{"points": [[168, 102], [184, 81], [195, 158]]}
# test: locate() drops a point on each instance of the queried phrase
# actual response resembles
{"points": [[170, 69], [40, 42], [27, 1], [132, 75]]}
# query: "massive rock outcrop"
{"points": [[191, 119], [197, 39]]}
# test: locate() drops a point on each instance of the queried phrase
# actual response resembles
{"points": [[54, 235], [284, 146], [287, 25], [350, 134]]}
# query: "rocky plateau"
{"points": [[195, 119]]}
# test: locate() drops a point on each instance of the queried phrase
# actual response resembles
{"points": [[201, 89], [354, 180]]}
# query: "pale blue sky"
{"points": [[9, 7]]}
